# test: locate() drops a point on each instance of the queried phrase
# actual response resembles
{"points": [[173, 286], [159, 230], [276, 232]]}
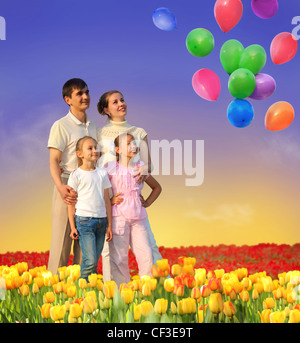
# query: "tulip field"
{"points": [[217, 284]]}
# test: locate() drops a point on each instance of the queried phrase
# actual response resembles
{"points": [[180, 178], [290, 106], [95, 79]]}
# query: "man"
{"points": [[64, 134]]}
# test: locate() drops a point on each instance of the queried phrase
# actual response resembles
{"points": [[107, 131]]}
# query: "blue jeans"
{"points": [[91, 234]]}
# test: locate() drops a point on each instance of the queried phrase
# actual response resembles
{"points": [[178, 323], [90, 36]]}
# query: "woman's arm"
{"points": [[156, 190]]}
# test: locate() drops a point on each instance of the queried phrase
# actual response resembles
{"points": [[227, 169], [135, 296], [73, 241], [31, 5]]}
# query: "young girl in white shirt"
{"points": [[92, 212]]}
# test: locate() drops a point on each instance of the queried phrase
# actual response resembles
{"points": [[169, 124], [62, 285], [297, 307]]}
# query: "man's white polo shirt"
{"points": [[64, 135]]}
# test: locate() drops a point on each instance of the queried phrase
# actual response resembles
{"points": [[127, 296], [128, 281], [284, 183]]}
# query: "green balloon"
{"points": [[200, 42], [241, 83], [254, 58], [230, 55]]}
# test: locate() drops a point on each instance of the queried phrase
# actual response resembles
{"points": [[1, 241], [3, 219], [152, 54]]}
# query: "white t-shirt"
{"points": [[90, 186], [64, 135]]}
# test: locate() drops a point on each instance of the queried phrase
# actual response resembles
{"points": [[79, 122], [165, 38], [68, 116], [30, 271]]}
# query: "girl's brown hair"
{"points": [[103, 101], [79, 146], [117, 142]]}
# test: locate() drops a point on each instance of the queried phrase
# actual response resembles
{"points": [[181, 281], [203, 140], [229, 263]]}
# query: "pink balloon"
{"points": [[206, 84], [283, 48], [228, 13]]}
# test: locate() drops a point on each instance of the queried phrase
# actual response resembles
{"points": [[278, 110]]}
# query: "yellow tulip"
{"points": [[146, 289], [17, 281], [269, 303], [71, 291], [27, 278], [92, 294], [246, 283], [238, 287], [89, 304], [146, 308], [173, 308], [176, 269], [215, 303], [99, 285], [39, 281], [291, 297], [255, 294], [188, 269], [58, 287], [137, 311], [153, 284], [259, 287], [277, 317], [161, 306], [267, 284], [163, 266], [188, 305], [35, 288], [93, 280], [219, 273], [24, 289], [244, 295], [169, 285], [45, 310], [265, 316], [57, 312], [200, 276], [83, 283], [127, 294], [228, 309], [178, 290], [106, 303], [49, 297], [109, 289], [75, 310], [294, 316]]}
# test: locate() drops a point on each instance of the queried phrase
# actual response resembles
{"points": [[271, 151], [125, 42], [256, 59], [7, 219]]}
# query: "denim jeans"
{"points": [[91, 234]]}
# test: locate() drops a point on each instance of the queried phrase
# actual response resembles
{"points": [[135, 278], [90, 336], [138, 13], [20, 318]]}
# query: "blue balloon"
{"points": [[240, 113], [164, 19]]}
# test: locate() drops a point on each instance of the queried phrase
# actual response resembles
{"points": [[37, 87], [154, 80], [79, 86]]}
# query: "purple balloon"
{"points": [[264, 8], [265, 87]]}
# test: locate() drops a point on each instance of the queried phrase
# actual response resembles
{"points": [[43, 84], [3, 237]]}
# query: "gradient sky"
{"points": [[251, 183]]}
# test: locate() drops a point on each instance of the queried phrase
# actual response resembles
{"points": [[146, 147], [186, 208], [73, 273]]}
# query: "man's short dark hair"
{"points": [[72, 84]]}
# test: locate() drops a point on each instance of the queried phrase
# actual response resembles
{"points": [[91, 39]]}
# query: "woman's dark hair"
{"points": [[72, 84], [103, 101]]}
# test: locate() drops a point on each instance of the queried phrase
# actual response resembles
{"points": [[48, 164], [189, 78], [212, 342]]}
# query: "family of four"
{"points": [[98, 176]]}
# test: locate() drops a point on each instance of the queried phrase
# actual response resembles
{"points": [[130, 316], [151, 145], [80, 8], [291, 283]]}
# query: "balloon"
{"points": [[283, 48], [264, 8], [265, 87], [228, 13], [206, 84], [240, 113], [241, 83], [200, 42], [279, 116], [230, 55], [254, 58], [164, 19]]}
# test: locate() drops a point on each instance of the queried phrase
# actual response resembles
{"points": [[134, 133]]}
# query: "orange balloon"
{"points": [[279, 116], [228, 13]]}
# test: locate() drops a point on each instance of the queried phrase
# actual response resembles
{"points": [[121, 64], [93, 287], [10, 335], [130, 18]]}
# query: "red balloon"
{"points": [[283, 48], [228, 13], [279, 116]]}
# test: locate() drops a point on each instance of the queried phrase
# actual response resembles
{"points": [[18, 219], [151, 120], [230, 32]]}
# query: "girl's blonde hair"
{"points": [[117, 142], [79, 146]]}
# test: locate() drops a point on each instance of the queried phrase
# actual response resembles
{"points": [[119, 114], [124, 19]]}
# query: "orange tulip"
{"points": [[178, 290], [24, 289], [268, 303], [228, 309], [214, 284], [196, 293], [49, 297], [205, 291]]}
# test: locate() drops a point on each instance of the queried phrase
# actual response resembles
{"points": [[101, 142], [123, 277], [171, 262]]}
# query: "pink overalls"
{"points": [[128, 224]]}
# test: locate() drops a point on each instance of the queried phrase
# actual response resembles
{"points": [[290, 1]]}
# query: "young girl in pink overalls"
{"points": [[129, 224]]}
